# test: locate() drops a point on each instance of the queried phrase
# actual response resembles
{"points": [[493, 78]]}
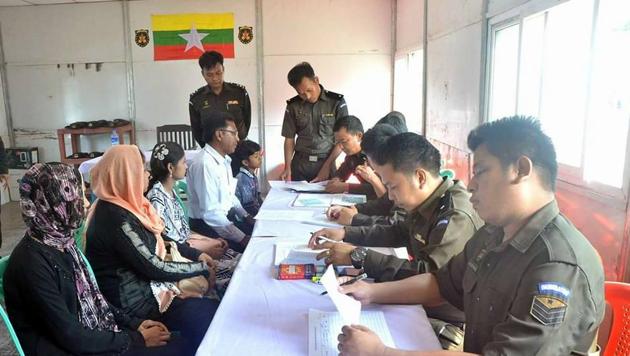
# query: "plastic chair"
{"points": [[4, 262], [181, 134], [11, 331], [618, 296]]}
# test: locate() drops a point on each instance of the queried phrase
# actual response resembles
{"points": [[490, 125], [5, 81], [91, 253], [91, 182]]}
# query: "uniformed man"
{"points": [[218, 95], [528, 281], [439, 222], [310, 116]]}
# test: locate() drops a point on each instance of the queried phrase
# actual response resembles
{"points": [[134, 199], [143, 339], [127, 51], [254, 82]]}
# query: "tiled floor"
{"points": [[12, 232]]}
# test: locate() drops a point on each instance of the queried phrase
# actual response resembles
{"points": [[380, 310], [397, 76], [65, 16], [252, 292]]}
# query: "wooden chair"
{"points": [[181, 134]]}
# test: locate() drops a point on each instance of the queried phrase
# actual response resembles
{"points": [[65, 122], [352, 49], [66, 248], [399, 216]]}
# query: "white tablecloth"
{"points": [[85, 166], [260, 315]]}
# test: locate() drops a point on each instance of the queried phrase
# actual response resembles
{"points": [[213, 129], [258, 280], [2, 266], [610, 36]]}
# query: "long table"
{"points": [[260, 315]]}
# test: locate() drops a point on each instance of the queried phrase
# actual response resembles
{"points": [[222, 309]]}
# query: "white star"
{"points": [[193, 39]]}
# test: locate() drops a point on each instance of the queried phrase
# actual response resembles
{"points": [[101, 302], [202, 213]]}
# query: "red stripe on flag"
{"points": [[167, 53]]}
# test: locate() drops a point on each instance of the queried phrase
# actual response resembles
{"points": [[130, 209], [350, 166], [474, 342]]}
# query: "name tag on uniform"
{"points": [[312, 158], [232, 102], [328, 115]]}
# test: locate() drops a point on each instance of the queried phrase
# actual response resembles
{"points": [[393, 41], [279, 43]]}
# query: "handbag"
{"points": [[198, 285]]}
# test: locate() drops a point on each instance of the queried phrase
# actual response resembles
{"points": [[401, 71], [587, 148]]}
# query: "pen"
{"points": [[354, 279], [324, 238]]}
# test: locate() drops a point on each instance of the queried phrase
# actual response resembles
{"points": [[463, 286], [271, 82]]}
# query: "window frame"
{"points": [[568, 176]]}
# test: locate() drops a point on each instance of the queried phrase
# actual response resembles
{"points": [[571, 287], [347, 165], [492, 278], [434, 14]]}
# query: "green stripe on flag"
{"points": [[170, 38]]}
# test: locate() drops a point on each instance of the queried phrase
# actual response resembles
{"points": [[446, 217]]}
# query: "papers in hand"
{"points": [[324, 327], [296, 253], [348, 307]]}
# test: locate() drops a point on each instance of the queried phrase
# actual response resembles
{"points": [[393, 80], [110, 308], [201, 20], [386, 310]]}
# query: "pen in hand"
{"points": [[352, 280]]}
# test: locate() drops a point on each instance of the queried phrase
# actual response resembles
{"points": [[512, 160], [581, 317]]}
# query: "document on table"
{"points": [[310, 200], [324, 327], [301, 186], [285, 215]]}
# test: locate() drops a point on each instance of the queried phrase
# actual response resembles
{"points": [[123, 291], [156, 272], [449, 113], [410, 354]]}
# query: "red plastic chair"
{"points": [[618, 296]]}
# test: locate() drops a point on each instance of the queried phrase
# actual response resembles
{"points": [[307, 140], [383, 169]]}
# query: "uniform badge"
{"points": [[205, 104], [245, 34], [142, 37], [549, 306]]}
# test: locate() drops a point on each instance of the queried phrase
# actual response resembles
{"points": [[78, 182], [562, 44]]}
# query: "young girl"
{"points": [[245, 161], [168, 164]]}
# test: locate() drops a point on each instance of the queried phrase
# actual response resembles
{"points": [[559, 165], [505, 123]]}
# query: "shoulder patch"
{"points": [[197, 92], [334, 95], [549, 306], [293, 99], [240, 86]]}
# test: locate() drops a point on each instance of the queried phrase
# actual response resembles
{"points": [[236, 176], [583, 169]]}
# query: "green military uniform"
{"points": [[433, 233], [541, 292], [313, 125], [233, 99], [379, 211]]}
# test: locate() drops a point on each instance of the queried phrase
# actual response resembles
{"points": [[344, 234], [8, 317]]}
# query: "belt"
{"points": [[311, 156]]}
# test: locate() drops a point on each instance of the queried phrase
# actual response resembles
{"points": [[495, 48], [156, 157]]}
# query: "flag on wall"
{"points": [[187, 36]]}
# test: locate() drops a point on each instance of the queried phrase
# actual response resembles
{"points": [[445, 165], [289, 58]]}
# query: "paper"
{"points": [[311, 200], [325, 327], [285, 215], [298, 186], [296, 253], [348, 199], [348, 307]]}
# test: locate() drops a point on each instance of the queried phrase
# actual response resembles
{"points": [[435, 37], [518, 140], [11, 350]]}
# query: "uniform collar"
{"points": [[209, 90], [526, 236], [428, 206], [247, 172], [216, 155], [322, 94]]}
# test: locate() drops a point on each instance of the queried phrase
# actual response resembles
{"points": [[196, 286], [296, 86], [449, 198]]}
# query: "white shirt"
{"points": [[211, 192]]}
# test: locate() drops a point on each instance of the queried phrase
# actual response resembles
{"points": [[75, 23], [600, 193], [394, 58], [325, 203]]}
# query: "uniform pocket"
{"points": [[326, 123]]}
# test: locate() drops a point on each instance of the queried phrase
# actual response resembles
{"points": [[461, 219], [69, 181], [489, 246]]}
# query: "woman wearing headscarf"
{"points": [[52, 299], [127, 249]]}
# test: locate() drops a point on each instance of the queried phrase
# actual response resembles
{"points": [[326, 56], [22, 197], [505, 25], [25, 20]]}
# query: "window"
{"points": [[569, 66], [408, 88]]}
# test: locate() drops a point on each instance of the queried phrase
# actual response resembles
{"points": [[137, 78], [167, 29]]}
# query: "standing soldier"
{"points": [[218, 95], [311, 116]]}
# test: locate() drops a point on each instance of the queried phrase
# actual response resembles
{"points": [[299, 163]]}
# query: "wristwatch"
{"points": [[357, 256]]}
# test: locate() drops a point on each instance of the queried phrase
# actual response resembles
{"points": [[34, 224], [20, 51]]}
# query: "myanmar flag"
{"points": [[187, 36]]}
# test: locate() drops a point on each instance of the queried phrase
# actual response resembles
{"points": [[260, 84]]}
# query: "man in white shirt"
{"points": [[214, 208]]}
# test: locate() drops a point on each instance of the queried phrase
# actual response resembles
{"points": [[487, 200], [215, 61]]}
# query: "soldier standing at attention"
{"points": [[310, 116], [218, 95]]}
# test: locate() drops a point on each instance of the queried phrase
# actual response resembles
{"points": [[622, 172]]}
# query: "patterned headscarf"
{"points": [[51, 198]]}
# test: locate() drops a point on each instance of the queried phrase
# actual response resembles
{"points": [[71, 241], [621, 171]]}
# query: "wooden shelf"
{"points": [[76, 144]]}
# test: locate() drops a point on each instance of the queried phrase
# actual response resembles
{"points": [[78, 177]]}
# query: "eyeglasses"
{"points": [[233, 132]]}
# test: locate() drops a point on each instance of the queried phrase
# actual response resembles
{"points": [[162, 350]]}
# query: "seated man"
{"points": [[528, 281], [439, 222], [379, 211], [214, 208], [348, 133]]}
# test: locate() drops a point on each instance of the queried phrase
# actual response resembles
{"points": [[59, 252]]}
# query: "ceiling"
{"points": [[42, 2]]}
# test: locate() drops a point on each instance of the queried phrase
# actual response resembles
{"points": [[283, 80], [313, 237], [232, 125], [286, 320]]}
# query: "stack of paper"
{"points": [[296, 253], [325, 200]]}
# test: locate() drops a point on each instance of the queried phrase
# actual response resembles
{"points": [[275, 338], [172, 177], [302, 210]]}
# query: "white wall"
{"points": [[453, 69], [348, 43], [40, 42], [162, 88]]}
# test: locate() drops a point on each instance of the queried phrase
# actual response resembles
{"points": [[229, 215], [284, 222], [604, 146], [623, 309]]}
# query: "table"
{"points": [[86, 166], [260, 315]]}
